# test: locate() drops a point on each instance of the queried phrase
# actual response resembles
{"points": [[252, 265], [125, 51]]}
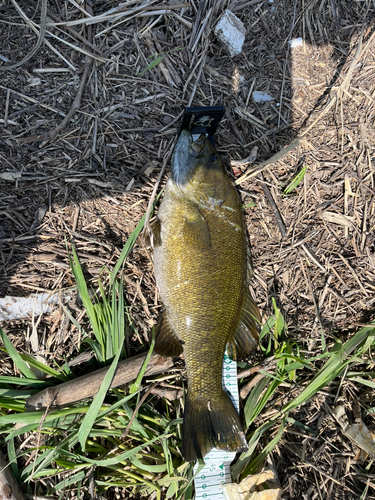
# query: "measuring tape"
{"points": [[217, 463]]}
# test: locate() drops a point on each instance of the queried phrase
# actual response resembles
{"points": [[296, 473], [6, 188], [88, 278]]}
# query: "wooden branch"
{"points": [[274, 208], [88, 385], [255, 171], [9, 488]]}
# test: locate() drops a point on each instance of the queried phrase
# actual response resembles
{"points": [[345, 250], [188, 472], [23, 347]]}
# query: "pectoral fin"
{"points": [[153, 240], [167, 343], [195, 230], [247, 334]]}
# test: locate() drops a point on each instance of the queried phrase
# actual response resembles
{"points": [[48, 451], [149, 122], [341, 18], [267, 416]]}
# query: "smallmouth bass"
{"points": [[200, 260]]}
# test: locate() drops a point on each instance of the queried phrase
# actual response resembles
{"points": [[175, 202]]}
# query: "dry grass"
{"points": [[92, 181]]}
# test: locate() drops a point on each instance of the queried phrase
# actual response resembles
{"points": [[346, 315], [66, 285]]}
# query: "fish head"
{"points": [[198, 171]]}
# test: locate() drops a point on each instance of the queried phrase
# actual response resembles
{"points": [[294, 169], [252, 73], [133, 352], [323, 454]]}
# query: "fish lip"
{"points": [[197, 147], [181, 164]]}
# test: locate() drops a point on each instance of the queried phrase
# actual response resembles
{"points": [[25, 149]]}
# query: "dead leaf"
{"points": [[342, 220], [249, 488], [358, 433]]}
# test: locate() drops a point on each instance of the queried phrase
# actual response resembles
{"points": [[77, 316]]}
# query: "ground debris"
{"points": [[358, 432], [253, 487]]}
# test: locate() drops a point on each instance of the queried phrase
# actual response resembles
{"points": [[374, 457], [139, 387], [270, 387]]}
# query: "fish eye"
{"points": [[214, 158]]}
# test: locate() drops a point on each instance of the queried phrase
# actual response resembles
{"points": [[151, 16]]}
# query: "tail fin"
{"points": [[211, 423]]}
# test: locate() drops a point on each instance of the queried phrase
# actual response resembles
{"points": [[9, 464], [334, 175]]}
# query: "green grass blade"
{"points": [[67, 482], [85, 296], [252, 400], [37, 384], [127, 248], [152, 64], [363, 381], [12, 460], [296, 181], [122, 456], [134, 387], [96, 404], [244, 458], [121, 315], [337, 362], [158, 60], [44, 368], [16, 357], [96, 348], [34, 417], [255, 464]]}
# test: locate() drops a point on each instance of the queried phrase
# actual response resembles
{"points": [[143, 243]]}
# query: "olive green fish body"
{"points": [[200, 268]]}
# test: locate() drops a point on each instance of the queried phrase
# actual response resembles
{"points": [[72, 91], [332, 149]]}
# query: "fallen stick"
{"points": [[274, 208], [255, 171], [9, 488], [88, 385]]}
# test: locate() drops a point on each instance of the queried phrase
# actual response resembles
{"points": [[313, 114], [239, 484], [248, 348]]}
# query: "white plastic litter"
{"points": [[231, 32], [296, 42], [24, 307], [261, 96]]}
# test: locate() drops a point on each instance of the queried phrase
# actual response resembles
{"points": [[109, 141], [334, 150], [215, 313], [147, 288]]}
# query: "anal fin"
{"points": [[167, 343], [247, 333]]}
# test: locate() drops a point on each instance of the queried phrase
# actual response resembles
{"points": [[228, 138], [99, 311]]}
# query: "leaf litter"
{"points": [[84, 135]]}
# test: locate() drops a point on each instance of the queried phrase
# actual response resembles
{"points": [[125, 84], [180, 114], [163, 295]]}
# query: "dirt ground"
{"points": [[90, 180]]}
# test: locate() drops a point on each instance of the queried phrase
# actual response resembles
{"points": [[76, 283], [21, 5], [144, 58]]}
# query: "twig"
{"points": [[49, 136], [140, 403], [199, 75], [243, 5], [245, 161], [195, 67], [247, 388], [268, 162], [6, 108], [88, 385], [201, 31], [171, 123], [306, 274], [266, 365], [282, 87], [164, 392], [274, 208], [75, 33], [42, 30]]}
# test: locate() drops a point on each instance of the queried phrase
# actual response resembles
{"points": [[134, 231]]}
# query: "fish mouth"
{"points": [[185, 156], [196, 147]]}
